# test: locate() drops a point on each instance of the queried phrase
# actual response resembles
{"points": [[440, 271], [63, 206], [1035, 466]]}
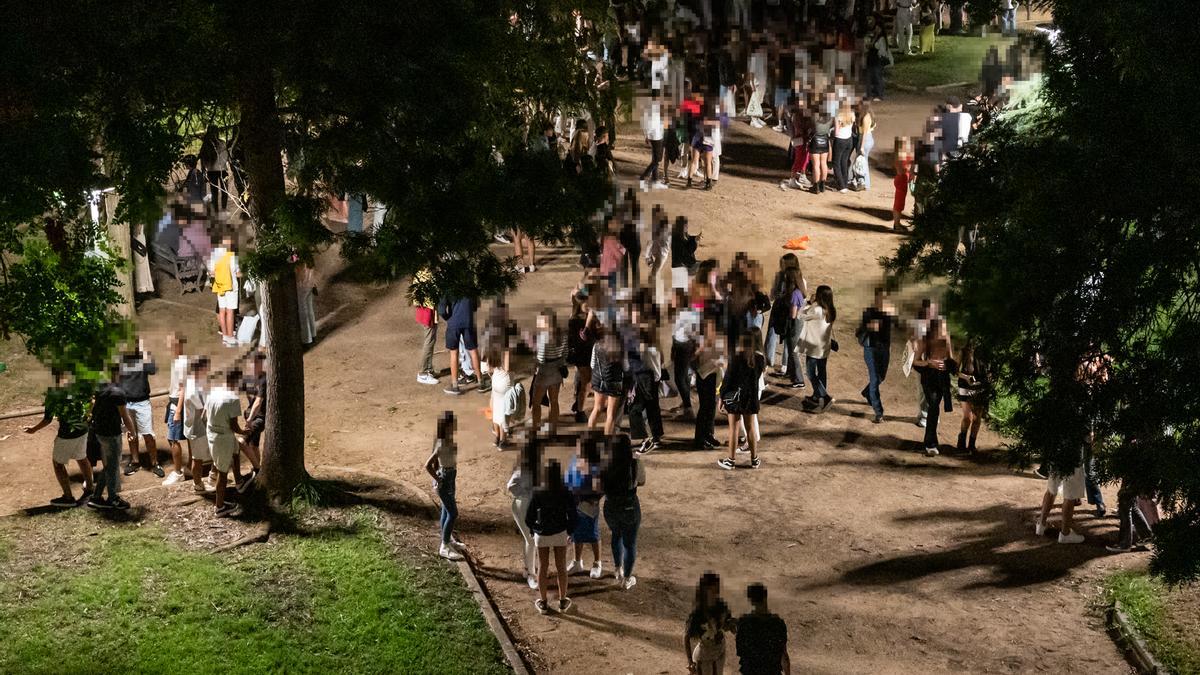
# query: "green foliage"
{"points": [[1076, 259], [329, 600], [954, 59], [62, 305]]}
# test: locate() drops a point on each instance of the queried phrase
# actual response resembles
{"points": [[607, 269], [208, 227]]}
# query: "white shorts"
{"points": [[199, 448], [143, 420], [1073, 486], [227, 300], [550, 540], [679, 278], [67, 449]]}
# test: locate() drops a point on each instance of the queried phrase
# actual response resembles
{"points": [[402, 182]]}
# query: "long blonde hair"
{"points": [[581, 143]]}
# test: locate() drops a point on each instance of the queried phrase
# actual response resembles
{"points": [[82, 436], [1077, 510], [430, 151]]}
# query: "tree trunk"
{"points": [[282, 443]]}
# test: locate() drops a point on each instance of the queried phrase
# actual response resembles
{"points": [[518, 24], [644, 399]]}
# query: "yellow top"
{"points": [[222, 274]]}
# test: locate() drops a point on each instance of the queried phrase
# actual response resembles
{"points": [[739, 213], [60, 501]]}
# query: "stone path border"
{"points": [[1127, 636]]}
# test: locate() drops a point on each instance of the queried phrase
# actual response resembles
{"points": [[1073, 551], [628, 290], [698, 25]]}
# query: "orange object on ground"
{"points": [[797, 243]]}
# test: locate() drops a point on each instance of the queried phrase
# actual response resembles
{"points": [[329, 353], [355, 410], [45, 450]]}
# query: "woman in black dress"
{"points": [[739, 396]]}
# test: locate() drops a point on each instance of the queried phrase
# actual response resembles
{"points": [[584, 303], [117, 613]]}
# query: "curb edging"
{"points": [[1127, 636], [493, 618]]}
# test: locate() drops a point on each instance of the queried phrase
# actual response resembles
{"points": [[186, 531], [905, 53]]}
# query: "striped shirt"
{"points": [[551, 354]]}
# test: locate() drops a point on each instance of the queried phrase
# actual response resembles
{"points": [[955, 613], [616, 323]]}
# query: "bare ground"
{"points": [[879, 559]]}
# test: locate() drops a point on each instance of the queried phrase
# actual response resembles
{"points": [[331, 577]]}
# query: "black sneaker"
{"points": [[485, 386], [710, 444], [877, 419], [725, 463], [755, 463], [131, 468], [464, 380], [63, 500], [581, 418], [118, 504], [99, 504], [453, 390], [227, 511], [156, 470]]}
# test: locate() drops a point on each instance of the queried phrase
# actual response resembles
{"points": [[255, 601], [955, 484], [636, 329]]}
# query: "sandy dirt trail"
{"points": [[879, 559]]}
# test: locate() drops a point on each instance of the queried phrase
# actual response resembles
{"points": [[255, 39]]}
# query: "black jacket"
{"points": [[551, 512]]}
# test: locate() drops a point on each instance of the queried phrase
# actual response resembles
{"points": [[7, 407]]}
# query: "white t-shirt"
{"points": [[195, 395], [652, 121], [222, 406], [658, 71], [178, 375], [817, 333]]}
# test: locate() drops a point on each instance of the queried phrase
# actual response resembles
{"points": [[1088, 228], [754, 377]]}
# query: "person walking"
{"points": [[816, 340], [761, 637], [108, 414], [875, 336], [442, 466], [70, 443], [739, 396], [935, 364], [622, 509], [521, 484], [704, 634], [551, 518]]}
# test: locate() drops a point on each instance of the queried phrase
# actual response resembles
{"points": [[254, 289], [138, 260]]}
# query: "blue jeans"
{"points": [[1008, 20], [624, 517], [1094, 496], [110, 475], [818, 376], [877, 366], [868, 144], [445, 491], [792, 353]]}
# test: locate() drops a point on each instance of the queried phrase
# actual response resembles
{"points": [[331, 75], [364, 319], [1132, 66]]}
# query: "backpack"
{"points": [[515, 402]]}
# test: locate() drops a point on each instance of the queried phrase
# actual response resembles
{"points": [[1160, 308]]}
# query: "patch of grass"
{"points": [[337, 599], [955, 59], [1147, 602]]}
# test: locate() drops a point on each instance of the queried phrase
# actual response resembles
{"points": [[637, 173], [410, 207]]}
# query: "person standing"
{"points": [[306, 292], [174, 417], [459, 313], [656, 253], [551, 362], [70, 443], [583, 479], [255, 387], [214, 158], [195, 424], [935, 364], [875, 336], [653, 127], [223, 274], [704, 636], [684, 337], [739, 394], [903, 177], [622, 509], [442, 466], [222, 410], [582, 329], [866, 138], [108, 414], [843, 146], [521, 485], [136, 369], [427, 317], [904, 25], [818, 150], [551, 518], [816, 339], [972, 395], [878, 56], [608, 381], [762, 637]]}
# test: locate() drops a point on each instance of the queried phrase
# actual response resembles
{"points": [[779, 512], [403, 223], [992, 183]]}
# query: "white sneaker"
{"points": [[1039, 528], [1072, 538], [449, 553], [575, 567], [597, 571], [931, 452], [631, 581], [173, 478], [683, 172], [643, 186], [662, 185], [205, 488], [209, 485], [426, 378], [532, 581], [921, 422]]}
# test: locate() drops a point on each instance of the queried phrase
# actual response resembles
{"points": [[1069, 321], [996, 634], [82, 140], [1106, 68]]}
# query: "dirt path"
{"points": [[879, 559]]}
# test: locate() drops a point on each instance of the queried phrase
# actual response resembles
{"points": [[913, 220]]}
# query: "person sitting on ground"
{"points": [[223, 409], [762, 637], [704, 637], [551, 518], [442, 465], [70, 443]]}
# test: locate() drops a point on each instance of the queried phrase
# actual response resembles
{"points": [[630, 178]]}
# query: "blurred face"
{"points": [[543, 322]]}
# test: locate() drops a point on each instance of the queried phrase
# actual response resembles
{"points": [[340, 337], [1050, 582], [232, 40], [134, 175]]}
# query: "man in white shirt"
{"points": [[653, 121], [224, 411], [904, 25]]}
